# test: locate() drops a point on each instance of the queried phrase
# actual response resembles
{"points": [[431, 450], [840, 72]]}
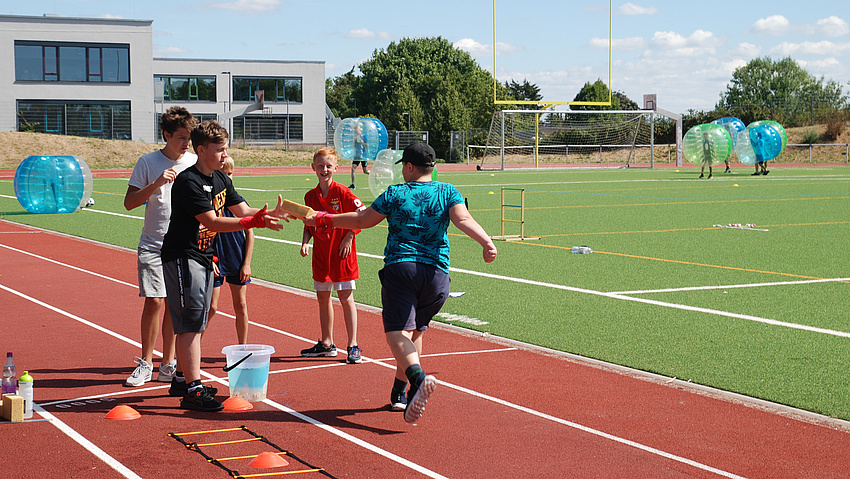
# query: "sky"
{"points": [[685, 53]]}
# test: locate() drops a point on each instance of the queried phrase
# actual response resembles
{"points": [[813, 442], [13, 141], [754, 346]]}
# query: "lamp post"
{"points": [[229, 101], [408, 119]]}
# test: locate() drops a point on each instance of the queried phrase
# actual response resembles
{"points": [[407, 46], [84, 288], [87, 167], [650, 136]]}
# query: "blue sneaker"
{"points": [[398, 401], [354, 355]]}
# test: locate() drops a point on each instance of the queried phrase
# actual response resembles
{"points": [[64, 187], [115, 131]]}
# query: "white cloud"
{"points": [[366, 34], [832, 27], [774, 25], [748, 50], [248, 6], [821, 48], [478, 49], [630, 8], [619, 44], [170, 50], [673, 44], [826, 63]]}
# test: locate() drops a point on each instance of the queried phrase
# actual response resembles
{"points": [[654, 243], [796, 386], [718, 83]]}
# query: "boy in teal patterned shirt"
{"points": [[415, 278]]}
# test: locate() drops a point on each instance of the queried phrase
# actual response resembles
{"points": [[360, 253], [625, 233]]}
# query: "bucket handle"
{"points": [[237, 363]]}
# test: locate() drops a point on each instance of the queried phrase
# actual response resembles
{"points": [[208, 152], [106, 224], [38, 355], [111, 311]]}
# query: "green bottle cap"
{"points": [[25, 378]]}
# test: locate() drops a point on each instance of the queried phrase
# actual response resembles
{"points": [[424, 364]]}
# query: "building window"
{"points": [[276, 90], [71, 62], [184, 89], [268, 129], [93, 119]]}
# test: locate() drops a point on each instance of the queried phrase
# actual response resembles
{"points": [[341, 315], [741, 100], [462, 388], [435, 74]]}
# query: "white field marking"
{"points": [[388, 454], [68, 266], [462, 319], [732, 286], [684, 307], [88, 445]]}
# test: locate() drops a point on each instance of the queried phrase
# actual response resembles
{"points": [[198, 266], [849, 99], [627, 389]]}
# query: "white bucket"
{"points": [[250, 378]]}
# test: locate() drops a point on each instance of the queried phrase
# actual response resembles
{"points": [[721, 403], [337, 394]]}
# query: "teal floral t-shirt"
{"points": [[418, 218]]}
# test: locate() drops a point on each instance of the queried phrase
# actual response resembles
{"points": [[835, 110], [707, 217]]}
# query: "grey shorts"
{"points": [[411, 295], [189, 286], [151, 280]]}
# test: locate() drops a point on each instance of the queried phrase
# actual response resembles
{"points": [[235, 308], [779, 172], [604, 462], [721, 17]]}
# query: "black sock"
{"points": [[399, 386], [194, 385], [415, 375], [179, 377]]}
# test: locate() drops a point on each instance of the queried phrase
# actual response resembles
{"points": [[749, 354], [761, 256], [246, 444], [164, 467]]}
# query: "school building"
{"points": [[97, 77]]}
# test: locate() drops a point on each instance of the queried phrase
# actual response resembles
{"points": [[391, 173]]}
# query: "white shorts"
{"points": [[339, 286], [151, 280]]}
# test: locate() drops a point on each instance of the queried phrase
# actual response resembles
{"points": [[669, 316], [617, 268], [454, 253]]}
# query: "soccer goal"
{"points": [[569, 138]]}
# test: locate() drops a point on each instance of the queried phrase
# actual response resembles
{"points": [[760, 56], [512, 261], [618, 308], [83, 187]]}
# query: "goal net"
{"points": [[547, 138]]}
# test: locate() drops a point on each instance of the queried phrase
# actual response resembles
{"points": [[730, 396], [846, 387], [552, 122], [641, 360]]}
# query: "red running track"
{"points": [[70, 313]]}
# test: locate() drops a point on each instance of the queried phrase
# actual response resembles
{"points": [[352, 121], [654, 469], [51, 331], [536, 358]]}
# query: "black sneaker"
{"points": [[398, 401], [756, 173], [765, 172], [416, 402], [701, 175], [200, 400], [179, 389], [728, 170], [354, 355], [351, 187], [319, 350]]}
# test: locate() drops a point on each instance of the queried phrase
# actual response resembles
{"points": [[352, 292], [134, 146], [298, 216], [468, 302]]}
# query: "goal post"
{"points": [[570, 138]]}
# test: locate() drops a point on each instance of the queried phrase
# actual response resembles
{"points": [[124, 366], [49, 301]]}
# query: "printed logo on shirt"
{"points": [[335, 204]]}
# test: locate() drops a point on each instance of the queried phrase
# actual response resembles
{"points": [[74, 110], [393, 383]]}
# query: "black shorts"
{"points": [[412, 294], [358, 162], [188, 287]]}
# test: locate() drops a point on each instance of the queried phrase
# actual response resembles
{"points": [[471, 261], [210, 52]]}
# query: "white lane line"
{"points": [[88, 445], [732, 286], [683, 307], [77, 437]]}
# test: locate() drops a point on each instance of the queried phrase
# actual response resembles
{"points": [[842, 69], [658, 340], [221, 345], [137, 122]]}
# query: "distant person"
{"points": [[199, 196], [334, 257], [707, 154], [234, 251], [415, 278], [361, 144], [150, 185]]}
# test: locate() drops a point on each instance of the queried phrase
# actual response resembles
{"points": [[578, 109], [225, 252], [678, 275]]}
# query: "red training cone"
{"points": [[237, 403], [268, 460], [123, 412]]}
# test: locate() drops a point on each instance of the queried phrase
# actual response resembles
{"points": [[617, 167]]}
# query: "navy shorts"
{"points": [[412, 294], [188, 287], [232, 279]]}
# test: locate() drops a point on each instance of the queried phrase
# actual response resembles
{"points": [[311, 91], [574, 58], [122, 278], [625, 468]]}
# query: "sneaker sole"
{"points": [[191, 407], [354, 361], [398, 406], [129, 384], [416, 405], [329, 354]]}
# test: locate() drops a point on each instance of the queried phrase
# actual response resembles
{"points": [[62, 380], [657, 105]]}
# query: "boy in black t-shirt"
{"points": [[198, 198]]}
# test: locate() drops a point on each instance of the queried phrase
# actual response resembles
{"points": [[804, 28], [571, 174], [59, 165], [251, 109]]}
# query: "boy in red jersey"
{"points": [[334, 256]]}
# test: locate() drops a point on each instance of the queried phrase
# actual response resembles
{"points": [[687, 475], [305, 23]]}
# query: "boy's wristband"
{"points": [[255, 221], [324, 219]]}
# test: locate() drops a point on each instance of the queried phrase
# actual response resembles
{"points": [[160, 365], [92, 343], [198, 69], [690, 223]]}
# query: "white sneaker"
{"points": [[416, 404], [167, 371], [141, 374]]}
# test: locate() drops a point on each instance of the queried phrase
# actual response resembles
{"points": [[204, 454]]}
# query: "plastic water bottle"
{"points": [[581, 249], [25, 383], [10, 382]]}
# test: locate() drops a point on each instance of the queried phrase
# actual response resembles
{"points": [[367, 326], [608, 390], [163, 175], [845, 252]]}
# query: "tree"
{"points": [[524, 91], [779, 90], [596, 92], [338, 94], [441, 87]]}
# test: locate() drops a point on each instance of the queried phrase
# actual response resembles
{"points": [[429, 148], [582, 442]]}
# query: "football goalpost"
{"points": [[571, 138]]}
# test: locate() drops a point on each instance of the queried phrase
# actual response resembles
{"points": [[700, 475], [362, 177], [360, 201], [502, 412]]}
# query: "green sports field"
{"points": [[761, 313]]}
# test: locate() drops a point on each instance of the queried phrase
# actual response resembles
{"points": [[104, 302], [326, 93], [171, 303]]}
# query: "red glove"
{"points": [[255, 221]]}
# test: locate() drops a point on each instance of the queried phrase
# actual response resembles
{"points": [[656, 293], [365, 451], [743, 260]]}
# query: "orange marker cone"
{"points": [[237, 403], [268, 460], [123, 412]]}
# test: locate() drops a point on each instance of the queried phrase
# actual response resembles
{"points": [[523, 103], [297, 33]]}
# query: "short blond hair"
{"points": [[228, 166], [326, 151]]}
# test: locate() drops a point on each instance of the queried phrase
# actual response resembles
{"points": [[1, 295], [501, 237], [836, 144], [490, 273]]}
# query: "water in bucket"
{"points": [[250, 378]]}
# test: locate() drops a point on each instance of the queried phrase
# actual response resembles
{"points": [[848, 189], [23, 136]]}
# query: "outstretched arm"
{"points": [[350, 221], [465, 222]]}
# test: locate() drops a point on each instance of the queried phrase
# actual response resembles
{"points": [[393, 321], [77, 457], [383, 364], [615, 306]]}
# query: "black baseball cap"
{"points": [[419, 154]]}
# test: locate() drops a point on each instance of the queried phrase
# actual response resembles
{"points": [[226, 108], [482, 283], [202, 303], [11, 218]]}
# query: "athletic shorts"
{"points": [[189, 286], [329, 286], [358, 162], [232, 279], [412, 294], [151, 281]]}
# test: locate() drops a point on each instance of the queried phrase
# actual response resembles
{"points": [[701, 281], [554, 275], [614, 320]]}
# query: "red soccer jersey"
{"points": [[327, 264]]}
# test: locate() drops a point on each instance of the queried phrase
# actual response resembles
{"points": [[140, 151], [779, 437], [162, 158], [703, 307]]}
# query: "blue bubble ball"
{"points": [[53, 184], [758, 143], [385, 171], [733, 126], [357, 139]]}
